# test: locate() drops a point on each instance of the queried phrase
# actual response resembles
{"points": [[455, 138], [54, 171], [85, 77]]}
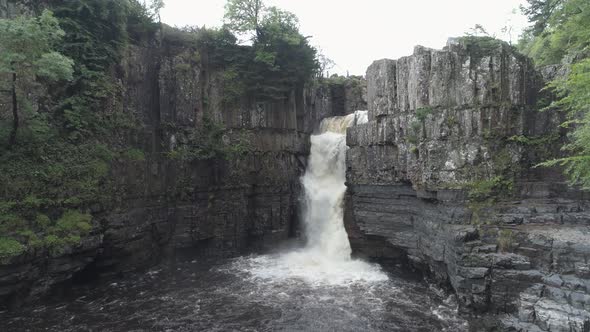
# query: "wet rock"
{"points": [[213, 208]]}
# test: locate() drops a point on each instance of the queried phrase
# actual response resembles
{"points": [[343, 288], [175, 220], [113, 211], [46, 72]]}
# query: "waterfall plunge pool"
{"points": [[253, 293], [317, 287]]}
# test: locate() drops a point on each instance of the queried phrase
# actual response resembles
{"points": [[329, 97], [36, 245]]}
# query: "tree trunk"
{"points": [[15, 121]]}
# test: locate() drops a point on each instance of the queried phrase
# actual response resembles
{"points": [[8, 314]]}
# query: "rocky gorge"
{"points": [[218, 207], [443, 178]]}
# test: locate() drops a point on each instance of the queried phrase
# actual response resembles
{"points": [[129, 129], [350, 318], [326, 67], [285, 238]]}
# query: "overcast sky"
{"points": [[354, 33]]}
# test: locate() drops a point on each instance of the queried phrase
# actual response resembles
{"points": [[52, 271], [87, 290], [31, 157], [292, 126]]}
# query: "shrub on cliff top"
{"points": [[280, 58], [478, 47]]}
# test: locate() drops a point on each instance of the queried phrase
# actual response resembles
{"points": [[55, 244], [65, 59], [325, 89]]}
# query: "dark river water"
{"points": [[254, 293]]}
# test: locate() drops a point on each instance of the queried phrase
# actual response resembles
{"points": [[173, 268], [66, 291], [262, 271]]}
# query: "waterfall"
{"points": [[324, 188], [339, 124], [325, 259]]}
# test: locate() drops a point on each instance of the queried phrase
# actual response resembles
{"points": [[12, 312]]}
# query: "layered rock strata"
{"points": [[442, 178], [212, 207]]}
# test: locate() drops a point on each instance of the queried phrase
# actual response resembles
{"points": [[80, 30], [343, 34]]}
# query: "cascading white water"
{"points": [[326, 257], [324, 187]]}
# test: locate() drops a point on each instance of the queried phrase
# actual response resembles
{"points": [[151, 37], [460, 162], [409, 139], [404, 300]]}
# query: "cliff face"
{"points": [[210, 207], [441, 177]]}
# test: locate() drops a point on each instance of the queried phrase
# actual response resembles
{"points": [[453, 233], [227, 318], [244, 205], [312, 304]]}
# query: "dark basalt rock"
{"points": [[442, 123]]}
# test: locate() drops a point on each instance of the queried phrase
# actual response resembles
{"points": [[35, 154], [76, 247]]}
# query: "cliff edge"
{"points": [[443, 178]]}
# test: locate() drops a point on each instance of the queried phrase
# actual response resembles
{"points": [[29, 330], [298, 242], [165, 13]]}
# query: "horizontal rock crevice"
{"points": [[440, 179]]}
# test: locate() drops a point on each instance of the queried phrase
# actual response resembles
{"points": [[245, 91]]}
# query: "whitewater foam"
{"points": [[313, 268], [325, 259]]}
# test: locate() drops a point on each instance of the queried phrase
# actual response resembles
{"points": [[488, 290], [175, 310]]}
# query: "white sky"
{"points": [[355, 33]]}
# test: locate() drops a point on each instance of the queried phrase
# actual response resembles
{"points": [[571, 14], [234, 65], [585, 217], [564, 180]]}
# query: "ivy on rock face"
{"points": [[58, 168], [206, 142]]}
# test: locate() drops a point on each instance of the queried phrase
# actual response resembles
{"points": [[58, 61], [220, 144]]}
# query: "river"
{"points": [[316, 286]]}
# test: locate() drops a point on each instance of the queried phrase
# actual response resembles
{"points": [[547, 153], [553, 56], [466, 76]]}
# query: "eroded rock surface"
{"points": [[441, 177], [213, 207]]}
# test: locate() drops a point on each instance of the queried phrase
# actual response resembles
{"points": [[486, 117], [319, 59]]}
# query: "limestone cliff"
{"points": [[442, 178]]}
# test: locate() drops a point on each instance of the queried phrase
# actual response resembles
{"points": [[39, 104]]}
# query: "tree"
{"points": [[539, 13], [244, 16], [280, 58], [561, 33], [573, 97], [28, 57], [281, 21], [560, 28], [288, 59], [154, 8], [478, 30], [325, 64]]}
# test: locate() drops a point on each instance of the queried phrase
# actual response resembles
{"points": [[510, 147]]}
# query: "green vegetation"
{"points": [[243, 16], [205, 142], [482, 44], [451, 121], [56, 165], [572, 92], [354, 83], [59, 72], [478, 46], [28, 56], [561, 28], [484, 194], [506, 240], [279, 60], [561, 34], [540, 146], [9, 248], [417, 125], [484, 190], [423, 112], [29, 231], [535, 140], [414, 132], [133, 155]]}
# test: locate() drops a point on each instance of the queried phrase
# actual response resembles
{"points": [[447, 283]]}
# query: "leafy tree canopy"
{"points": [[561, 34], [244, 16], [539, 13], [28, 44], [560, 28], [28, 48], [573, 96], [280, 58], [59, 165]]}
